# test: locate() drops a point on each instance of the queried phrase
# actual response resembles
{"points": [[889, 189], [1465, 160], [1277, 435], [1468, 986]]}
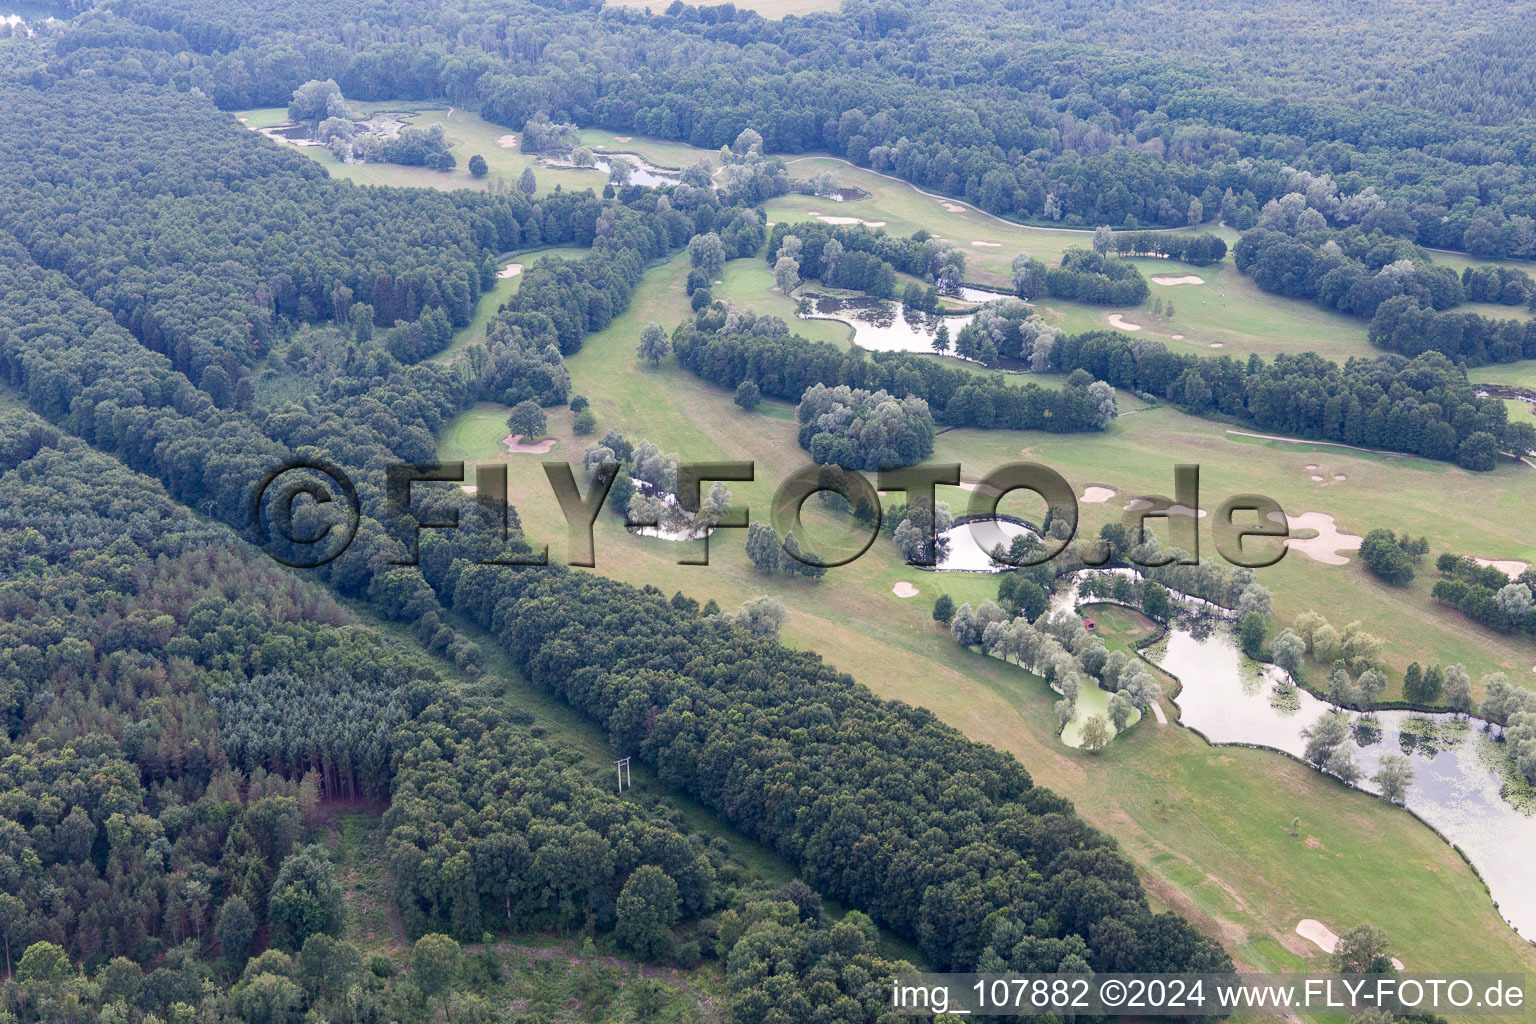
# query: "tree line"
{"points": [[727, 346], [1424, 406]]}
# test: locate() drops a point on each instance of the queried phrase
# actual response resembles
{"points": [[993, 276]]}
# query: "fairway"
{"points": [[470, 135]]}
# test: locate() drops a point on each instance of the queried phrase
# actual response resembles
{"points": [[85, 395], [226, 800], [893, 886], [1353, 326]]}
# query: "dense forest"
{"points": [[1028, 120]]}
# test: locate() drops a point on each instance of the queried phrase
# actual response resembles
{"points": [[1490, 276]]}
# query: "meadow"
{"points": [[1207, 827]]}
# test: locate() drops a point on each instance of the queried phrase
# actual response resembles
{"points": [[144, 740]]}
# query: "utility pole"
{"points": [[624, 776]]}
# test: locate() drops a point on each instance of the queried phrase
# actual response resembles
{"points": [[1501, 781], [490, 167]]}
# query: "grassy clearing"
{"points": [[1206, 827], [371, 923]]}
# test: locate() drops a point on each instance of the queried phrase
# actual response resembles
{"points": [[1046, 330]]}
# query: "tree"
{"points": [[748, 395], [654, 345], [763, 547], [1096, 733], [1325, 736], [1393, 777], [1479, 452], [1384, 556], [944, 609], [44, 964], [941, 339], [619, 171], [234, 930], [1156, 602], [762, 616], [1458, 688], [13, 925], [527, 420], [1289, 651], [1370, 685], [1361, 950], [1251, 632], [1341, 689], [435, 962], [581, 156], [584, 422], [478, 167], [786, 274], [527, 184], [707, 252], [315, 101], [647, 910], [1120, 709], [306, 898], [1103, 239]]}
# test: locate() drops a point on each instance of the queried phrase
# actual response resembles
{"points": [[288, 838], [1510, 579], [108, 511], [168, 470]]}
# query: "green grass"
{"points": [[1120, 628], [1227, 315], [491, 302], [749, 283], [370, 921], [1206, 827], [469, 135]]}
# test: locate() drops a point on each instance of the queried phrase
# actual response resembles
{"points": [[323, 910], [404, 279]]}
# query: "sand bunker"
{"points": [[468, 488], [1141, 504], [952, 207], [1178, 337], [904, 589], [1323, 937], [1509, 568], [989, 245], [1096, 494], [1311, 466], [1116, 320], [849, 220], [1341, 476], [623, 138], [514, 443], [1325, 547], [1316, 478], [1169, 281], [512, 270], [507, 141]]}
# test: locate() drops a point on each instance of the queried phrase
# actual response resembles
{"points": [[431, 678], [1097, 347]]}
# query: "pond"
{"points": [[1461, 773], [641, 173], [885, 325], [965, 551]]}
